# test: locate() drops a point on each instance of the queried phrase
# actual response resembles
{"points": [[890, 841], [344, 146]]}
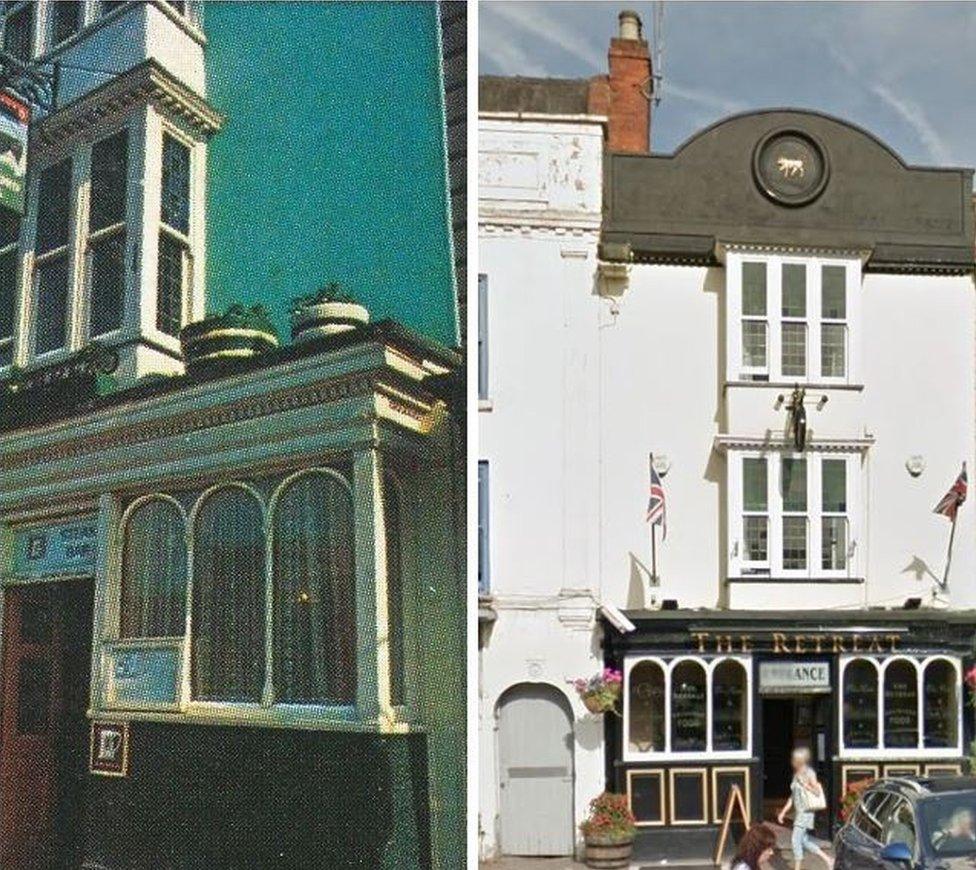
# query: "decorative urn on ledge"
{"points": [[609, 831], [238, 333], [327, 312]]}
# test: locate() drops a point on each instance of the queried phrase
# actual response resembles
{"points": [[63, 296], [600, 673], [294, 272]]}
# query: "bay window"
{"points": [[107, 233], [52, 257], [174, 237], [687, 707], [18, 30], [9, 282], [791, 515], [906, 705], [789, 317]]}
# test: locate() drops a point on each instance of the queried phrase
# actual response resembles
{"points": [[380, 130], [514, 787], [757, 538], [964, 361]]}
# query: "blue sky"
{"points": [[904, 71]]}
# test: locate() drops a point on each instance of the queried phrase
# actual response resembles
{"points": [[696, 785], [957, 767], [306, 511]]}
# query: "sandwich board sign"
{"points": [[14, 117]]}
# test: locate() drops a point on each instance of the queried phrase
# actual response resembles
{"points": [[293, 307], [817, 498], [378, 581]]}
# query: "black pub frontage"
{"points": [[718, 698]]}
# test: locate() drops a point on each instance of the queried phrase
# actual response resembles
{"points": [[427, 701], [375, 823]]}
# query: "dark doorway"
{"points": [[788, 723], [47, 631]]}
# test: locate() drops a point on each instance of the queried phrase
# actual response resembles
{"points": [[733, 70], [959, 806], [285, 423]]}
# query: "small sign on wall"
{"points": [[47, 551], [798, 677], [109, 752]]}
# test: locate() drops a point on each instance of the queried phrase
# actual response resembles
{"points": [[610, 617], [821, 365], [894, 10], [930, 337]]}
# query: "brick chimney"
{"points": [[624, 96]]}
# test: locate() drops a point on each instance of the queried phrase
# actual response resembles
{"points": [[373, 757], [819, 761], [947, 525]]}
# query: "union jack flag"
{"points": [[956, 495], [656, 510]]}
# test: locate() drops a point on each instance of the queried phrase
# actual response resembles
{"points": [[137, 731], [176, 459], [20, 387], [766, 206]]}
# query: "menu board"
{"points": [[728, 716], [860, 710], [688, 719], [901, 709]]}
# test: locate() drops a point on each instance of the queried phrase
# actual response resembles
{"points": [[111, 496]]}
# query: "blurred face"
{"points": [[766, 855], [798, 761]]}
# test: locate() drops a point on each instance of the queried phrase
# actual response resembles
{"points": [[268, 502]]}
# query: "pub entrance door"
{"points": [[47, 632], [789, 723]]}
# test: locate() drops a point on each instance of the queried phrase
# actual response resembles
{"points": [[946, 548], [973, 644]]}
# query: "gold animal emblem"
{"points": [[790, 167]]}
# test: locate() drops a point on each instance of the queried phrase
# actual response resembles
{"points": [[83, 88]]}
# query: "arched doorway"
{"points": [[535, 771]]}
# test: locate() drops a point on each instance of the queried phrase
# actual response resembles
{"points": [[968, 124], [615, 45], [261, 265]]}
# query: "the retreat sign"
{"points": [[66, 549], [14, 117], [796, 643]]}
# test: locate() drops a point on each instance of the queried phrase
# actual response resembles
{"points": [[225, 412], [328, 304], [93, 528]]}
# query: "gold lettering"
{"points": [[799, 643], [875, 645], [893, 639], [856, 643], [746, 643], [818, 640], [838, 643], [780, 643], [701, 637], [723, 643]]}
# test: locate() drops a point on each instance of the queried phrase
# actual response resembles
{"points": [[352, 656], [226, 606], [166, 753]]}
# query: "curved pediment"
{"points": [[792, 178]]}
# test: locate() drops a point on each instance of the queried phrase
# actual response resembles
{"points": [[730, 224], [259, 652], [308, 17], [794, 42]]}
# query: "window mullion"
{"points": [[774, 469], [774, 313]]}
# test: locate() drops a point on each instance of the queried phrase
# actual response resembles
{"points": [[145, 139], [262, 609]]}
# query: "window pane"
{"points": [[833, 350], [900, 706], [794, 543], [175, 206], [754, 289], [108, 181], [17, 32], [860, 706], [941, 705], [484, 563], [754, 484], [729, 699], [688, 714], [833, 543], [67, 19], [753, 344], [394, 593], [755, 532], [646, 708], [794, 484], [169, 292], [794, 290], [794, 349], [9, 227], [228, 598], [107, 283], [834, 485], [833, 303], [112, 5], [154, 572], [8, 292], [52, 305], [482, 336], [314, 593], [53, 207]]}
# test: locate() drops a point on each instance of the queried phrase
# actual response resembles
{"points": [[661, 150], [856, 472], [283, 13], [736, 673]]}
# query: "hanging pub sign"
{"points": [[14, 117], [46, 551], [109, 749]]}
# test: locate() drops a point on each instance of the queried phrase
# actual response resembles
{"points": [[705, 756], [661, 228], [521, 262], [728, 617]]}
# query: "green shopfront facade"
{"points": [[233, 611], [719, 698]]}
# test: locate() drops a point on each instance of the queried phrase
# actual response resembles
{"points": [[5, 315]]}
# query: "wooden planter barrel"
{"points": [[224, 338], [608, 851]]}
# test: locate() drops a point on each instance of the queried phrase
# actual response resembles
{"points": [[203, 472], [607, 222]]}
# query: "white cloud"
{"points": [[911, 113], [531, 18], [699, 97]]}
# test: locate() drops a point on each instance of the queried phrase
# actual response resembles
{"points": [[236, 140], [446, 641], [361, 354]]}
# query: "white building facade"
{"points": [[687, 306]]}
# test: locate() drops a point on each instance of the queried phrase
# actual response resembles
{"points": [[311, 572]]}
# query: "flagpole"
{"points": [[952, 534]]}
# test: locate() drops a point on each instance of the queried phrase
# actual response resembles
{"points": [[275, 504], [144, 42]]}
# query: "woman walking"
{"points": [[755, 848], [806, 797]]}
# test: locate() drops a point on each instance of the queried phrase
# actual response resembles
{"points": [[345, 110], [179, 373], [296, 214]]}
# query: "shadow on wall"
{"points": [[236, 798]]}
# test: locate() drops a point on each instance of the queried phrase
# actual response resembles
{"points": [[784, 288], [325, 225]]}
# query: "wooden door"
{"points": [[535, 747], [43, 732]]}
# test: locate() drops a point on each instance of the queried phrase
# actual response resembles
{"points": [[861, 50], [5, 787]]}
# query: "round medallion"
{"points": [[790, 167]]}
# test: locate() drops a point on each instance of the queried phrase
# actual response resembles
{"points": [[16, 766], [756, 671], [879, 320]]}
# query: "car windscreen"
{"points": [[949, 823]]}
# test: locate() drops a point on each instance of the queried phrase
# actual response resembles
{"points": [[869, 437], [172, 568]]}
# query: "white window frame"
{"points": [[736, 371], [739, 567], [881, 664], [667, 665]]}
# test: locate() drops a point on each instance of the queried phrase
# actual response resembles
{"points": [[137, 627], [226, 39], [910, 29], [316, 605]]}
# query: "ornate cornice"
{"points": [[771, 441], [146, 83]]}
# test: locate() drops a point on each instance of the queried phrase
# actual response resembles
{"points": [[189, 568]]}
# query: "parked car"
{"points": [[917, 823]]}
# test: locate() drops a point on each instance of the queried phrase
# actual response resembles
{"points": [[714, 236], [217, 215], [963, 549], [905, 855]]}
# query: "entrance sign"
{"points": [[67, 549], [14, 116], [794, 678]]}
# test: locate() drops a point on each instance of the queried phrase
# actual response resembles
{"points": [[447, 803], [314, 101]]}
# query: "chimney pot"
{"points": [[629, 25]]}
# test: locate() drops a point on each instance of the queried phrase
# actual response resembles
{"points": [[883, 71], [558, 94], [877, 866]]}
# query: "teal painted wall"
{"points": [[331, 164]]}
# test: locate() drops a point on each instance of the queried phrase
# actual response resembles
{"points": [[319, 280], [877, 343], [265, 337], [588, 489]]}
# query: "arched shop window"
{"points": [[154, 571], [941, 704], [861, 705], [729, 706], [900, 705], [314, 592], [688, 707], [646, 707], [228, 597]]}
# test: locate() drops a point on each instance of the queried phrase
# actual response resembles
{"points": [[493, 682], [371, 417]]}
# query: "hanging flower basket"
{"points": [[850, 797], [601, 692], [608, 831], [327, 312], [238, 333]]}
